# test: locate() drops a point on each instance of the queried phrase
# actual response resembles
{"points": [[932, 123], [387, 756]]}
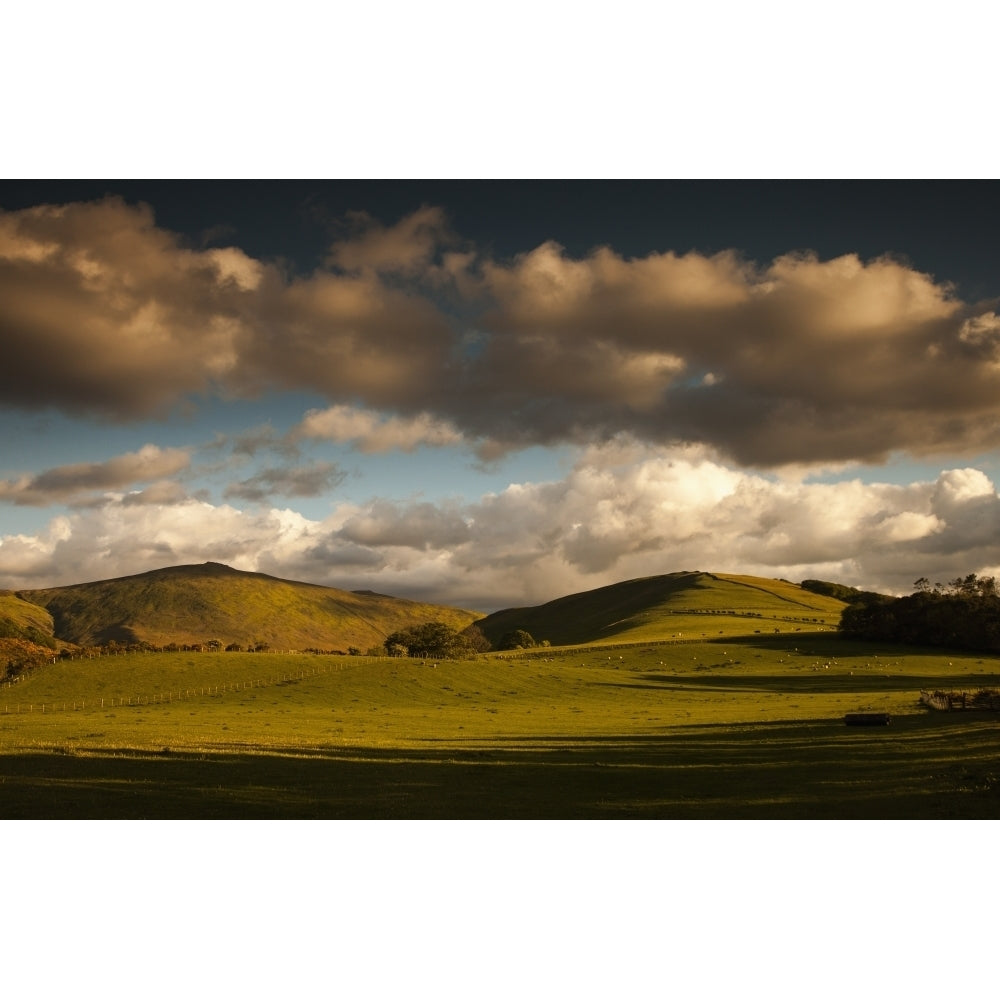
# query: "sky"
{"points": [[490, 394]]}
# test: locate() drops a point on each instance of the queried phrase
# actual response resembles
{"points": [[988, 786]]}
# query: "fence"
{"points": [[987, 699], [181, 694]]}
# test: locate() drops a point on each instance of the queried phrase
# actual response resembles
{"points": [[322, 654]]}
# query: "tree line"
{"points": [[963, 614]]}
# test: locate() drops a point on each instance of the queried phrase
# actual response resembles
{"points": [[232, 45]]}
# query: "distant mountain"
{"points": [[688, 604], [189, 604]]}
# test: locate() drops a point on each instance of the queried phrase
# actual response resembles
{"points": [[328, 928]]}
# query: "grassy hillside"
{"points": [[20, 619], [636, 722], [689, 605], [189, 604]]}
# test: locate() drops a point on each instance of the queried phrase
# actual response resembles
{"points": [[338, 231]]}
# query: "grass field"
{"points": [[714, 728]]}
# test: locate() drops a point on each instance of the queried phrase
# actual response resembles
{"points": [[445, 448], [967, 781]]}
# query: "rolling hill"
{"points": [[20, 619], [195, 604], [677, 605]]}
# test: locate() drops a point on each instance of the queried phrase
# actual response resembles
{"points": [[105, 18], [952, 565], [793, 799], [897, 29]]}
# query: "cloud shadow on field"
{"points": [[920, 767], [808, 682]]}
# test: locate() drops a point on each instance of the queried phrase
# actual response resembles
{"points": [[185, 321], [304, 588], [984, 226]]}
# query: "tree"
{"points": [[517, 639], [476, 638], [432, 639]]}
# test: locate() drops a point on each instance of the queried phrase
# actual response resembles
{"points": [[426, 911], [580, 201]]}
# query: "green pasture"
{"points": [[749, 726]]}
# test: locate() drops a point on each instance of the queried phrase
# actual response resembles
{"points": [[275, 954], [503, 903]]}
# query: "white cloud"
{"points": [[959, 485], [621, 512]]}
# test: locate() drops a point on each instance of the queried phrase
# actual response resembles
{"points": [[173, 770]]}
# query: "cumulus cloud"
{"points": [[407, 248], [981, 334], [802, 360], [119, 539], [796, 360], [623, 511], [67, 483], [104, 313], [416, 525], [372, 432]]}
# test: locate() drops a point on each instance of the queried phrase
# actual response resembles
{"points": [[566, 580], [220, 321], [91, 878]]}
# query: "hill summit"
{"points": [[676, 605], [199, 603]]}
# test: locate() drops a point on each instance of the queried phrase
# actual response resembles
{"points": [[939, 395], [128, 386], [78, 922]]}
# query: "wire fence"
{"points": [[201, 691]]}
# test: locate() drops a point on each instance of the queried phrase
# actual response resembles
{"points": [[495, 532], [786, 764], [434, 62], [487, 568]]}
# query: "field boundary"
{"points": [[182, 694]]}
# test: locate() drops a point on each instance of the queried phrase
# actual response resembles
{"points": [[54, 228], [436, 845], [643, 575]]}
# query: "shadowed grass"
{"points": [[683, 729], [813, 769]]}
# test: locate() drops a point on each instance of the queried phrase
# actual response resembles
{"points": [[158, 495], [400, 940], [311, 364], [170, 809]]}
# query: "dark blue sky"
{"points": [[945, 228]]}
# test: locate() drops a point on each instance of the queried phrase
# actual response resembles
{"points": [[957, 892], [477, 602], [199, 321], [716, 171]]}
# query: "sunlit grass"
{"points": [[748, 727], [678, 605]]}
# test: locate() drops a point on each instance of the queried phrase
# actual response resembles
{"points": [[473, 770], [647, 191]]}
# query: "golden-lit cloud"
{"points": [[348, 336], [794, 361], [407, 247], [102, 312], [371, 432], [804, 360]]}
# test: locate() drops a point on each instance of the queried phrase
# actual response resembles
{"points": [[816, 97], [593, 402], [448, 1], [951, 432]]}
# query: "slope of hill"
{"points": [[677, 605], [188, 604], [20, 619]]}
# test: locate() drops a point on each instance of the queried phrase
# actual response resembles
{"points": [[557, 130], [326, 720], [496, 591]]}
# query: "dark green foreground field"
{"points": [[725, 728]]}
